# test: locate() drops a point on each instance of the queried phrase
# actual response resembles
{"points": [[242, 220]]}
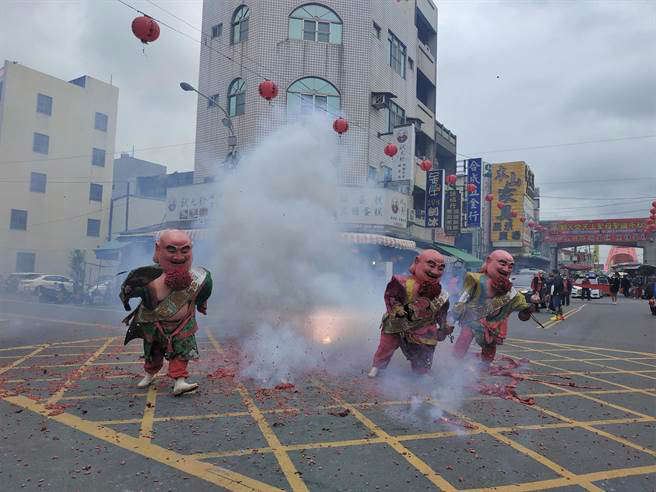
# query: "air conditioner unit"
{"points": [[380, 100]]}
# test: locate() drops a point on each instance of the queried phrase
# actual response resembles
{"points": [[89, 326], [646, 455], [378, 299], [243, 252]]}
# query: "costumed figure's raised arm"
{"points": [[204, 294], [395, 297]]}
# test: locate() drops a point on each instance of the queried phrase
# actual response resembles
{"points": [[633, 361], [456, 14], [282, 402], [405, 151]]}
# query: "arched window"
{"points": [[312, 94], [239, 31], [315, 22], [237, 97]]}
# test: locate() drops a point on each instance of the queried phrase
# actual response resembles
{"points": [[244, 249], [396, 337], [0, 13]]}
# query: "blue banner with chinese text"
{"points": [[434, 193], [473, 203]]}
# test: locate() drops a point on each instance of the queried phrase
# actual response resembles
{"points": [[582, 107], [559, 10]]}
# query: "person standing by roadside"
{"points": [[549, 288], [586, 292], [537, 285], [626, 285], [557, 289], [567, 289], [614, 287]]}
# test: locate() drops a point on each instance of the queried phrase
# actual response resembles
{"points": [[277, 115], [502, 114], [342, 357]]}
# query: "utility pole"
{"points": [[127, 206]]}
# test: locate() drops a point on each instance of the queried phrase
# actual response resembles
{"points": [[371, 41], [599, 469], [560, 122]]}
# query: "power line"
{"points": [[203, 33], [241, 65], [548, 146]]}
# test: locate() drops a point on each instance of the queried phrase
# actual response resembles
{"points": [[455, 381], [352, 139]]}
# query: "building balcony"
{"points": [[426, 62], [427, 118]]}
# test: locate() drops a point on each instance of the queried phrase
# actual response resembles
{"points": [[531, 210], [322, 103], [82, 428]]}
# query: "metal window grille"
{"points": [[38, 182], [41, 143], [93, 227], [98, 157], [43, 104], [18, 220]]}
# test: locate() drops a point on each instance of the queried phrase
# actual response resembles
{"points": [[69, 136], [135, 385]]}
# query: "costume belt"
{"points": [[176, 332]]}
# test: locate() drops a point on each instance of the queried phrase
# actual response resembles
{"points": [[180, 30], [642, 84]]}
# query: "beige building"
{"points": [[56, 159], [372, 62]]}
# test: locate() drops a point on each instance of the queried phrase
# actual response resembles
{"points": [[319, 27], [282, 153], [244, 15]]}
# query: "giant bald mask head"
{"points": [[498, 267], [428, 267], [173, 251]]}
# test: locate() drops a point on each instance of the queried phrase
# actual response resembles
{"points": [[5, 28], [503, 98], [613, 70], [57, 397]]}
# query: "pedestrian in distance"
{"points": [[586, 289], [549, 288], [567, 289], [615, 282], [537, 286], [557, 289]]}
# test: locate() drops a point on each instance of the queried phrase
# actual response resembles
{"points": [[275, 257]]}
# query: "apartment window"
{"points": [[397, 54], [101, 122], [315, 22], [40, 143], [38, 182], [25, 262], [237, 97], [213, 101], [312, 94], [240, 25], [44, 104], [217, 30], [95, 192], [411, 64], [377, 30], [93, 227], [98, 157], [18, 220], [395, 116]]}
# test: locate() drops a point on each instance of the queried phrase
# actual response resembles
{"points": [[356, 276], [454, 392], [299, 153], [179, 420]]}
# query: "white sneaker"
{"points": [[145, 382], [373, 372], [181, 386]]}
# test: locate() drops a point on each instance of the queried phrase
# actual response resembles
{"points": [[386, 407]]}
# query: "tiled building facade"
{"points": [[357, 47]]}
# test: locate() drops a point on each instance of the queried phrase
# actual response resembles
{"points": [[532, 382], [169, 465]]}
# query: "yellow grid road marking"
{"points": [[563, 482], [23, 359], [285, 463], [395, 444], [589, 375], [146, 431], [75, 376], [211, 473], [563, 347]]}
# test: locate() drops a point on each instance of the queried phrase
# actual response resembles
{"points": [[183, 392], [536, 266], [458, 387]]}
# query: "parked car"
{"points": [[32, 285], [12, 281], [522, 282]]}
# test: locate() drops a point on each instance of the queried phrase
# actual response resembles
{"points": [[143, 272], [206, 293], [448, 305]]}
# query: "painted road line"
{"points": [[589, 375], [599, 432], [23, 359], [563, 347], [146, 431], [64, 321], [211, 473], [394, 443], [563, 482], [286, 465], [72, 379], [543, 460]]}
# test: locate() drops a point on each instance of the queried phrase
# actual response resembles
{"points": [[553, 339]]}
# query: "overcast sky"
{"points": [[512, 74]]}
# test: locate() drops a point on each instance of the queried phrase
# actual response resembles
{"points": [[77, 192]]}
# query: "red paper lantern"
{"points": [[451, 179], [426, 165], [514, 213], [500, 205], [653, 204], [391, 150], [489, 197], [145, 28], [340, 126], [268, 89], [531, 225], [652, 211], [471, 188]]}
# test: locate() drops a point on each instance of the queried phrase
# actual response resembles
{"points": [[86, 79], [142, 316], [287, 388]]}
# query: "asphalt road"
{"points": [[71, 418]]}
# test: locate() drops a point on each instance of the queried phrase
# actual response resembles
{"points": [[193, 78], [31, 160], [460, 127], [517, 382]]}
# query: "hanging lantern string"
{"points": [[255, 72], [195, 40]]}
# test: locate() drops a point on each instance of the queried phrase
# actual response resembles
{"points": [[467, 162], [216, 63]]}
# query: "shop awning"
{"points": [[109, 250], [194, 234], [471, 262], [391, 242]]}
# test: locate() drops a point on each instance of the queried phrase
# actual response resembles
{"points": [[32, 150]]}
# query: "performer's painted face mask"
{"points": [[500, 265], [428, 267], [173, 252]]}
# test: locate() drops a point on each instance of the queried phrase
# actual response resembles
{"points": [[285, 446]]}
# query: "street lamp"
{"points": [[227, 121]]}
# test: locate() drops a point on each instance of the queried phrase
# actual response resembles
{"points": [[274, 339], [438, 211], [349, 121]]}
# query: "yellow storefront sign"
{"points": [[508, 187]]}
